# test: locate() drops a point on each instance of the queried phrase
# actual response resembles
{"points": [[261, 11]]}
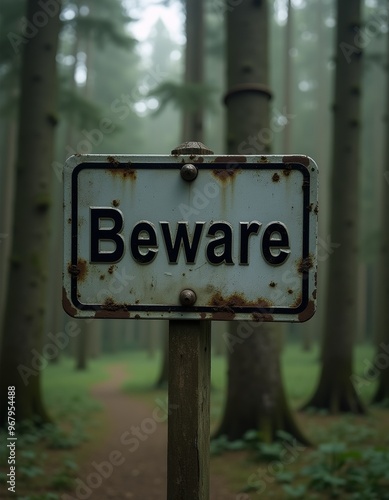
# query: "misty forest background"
{"points": [[246, 77]]}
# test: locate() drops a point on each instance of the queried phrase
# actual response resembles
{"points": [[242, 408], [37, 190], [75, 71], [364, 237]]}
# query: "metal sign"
{"points": [[190, 237]]}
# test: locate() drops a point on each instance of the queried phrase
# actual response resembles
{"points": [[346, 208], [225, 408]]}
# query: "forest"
{"points": [[88, 406]]}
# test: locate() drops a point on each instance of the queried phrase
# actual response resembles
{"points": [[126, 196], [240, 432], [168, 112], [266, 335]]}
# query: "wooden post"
{"points": [[188, 424]]}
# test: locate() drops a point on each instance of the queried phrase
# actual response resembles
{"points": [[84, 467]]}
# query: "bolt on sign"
{"points": [[190, 237]]}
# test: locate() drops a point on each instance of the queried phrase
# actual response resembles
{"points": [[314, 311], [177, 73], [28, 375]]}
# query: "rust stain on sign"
{"points": [[110, 305], [297, 302], [124, 172], [110, 309], [275, 177], [196, 159], [230, 159], [287, 170], [113, 160], [308, 312], [80, 270], [226, 174], [67, 305], [117, 314], [257, 317], [303, 160], [237, 300], [304, 265]]}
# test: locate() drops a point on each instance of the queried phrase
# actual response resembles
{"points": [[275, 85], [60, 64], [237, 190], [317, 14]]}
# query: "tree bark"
{"points": [[382, 295], [8, 189], [335, 391], [192, 129], [262, 405], [288, 79], [24, 312], [255, 395]]}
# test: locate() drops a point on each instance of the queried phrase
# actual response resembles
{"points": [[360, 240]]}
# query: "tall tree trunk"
{"points": [[194, 61], [382, 294], [6, 214], [335, 391], [255, 366], [24, 313], [255, 395], [288, 79]]}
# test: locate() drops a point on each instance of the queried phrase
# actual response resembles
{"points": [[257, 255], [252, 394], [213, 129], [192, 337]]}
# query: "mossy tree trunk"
{"points": [[22, 328], [382, 295], [335, 391], [255, 394]]}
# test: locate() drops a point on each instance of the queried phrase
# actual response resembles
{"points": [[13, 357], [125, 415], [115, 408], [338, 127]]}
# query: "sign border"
{"points": [[294, 163]]}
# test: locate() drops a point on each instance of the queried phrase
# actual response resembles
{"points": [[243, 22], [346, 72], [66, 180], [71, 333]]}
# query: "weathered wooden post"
{"points": [[189, 383]]}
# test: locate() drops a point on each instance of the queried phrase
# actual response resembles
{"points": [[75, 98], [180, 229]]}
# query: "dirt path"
{"points": [[131, 464]]}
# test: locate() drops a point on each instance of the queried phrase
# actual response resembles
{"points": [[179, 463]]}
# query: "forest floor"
{"points": [[139, 464], [93, 449]]}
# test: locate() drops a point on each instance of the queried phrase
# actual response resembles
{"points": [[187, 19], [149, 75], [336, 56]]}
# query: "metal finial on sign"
{"points": [[192, 148]]}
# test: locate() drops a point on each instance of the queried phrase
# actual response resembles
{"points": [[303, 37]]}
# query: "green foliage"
{"points": [[184, 96], [295, 491], [63, 479], [347, 431], [252, 441], [102, 30], [59, 439], [81, 112], [339, 470]]}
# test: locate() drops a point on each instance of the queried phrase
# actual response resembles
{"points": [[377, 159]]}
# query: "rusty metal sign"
{"points": [[190, 237]]}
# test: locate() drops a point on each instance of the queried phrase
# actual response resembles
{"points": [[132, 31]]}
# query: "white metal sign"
{"points": [[190, 237]]}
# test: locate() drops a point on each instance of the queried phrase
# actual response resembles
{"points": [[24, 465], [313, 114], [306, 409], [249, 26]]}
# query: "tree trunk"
{"points": [[6, 215], [262, 405], [255, 395], [382, 295], [24, 313], [194, 55], [335, 391], [288, 79]]}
